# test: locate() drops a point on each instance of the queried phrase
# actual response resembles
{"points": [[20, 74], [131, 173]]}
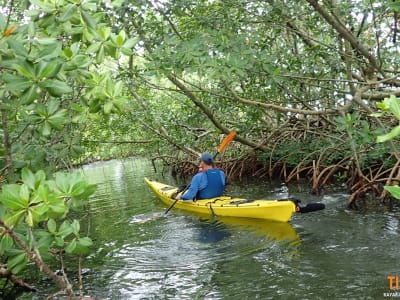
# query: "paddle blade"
{"points": [[311, 207], [229, 138]]}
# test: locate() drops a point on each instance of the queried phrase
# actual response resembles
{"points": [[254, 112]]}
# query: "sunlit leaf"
{"points": [[130, 43], [71, 246], [90, 22], [393, 105], [51, 225], [58, 119], [57, 209], [56, 88], [17, 263], [68, 13], [48, 69], [108, 107], [392, 134], [86, 241], [46, 129], [6, 242], [10, 197], [45, 240], [28, 178], [65, 229], [59, 241], [104, 32], [30, 95], [25, 69], [29, 218], [75, 227], [18, 85], [24, 193], [394, 190], [62, 183], [14, 218], [39, 213]]}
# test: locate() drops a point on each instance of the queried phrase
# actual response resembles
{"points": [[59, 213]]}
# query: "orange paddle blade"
{"points": [[229, 138], [10, 30]]}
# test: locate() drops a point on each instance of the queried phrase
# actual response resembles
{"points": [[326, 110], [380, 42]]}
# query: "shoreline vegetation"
{"points": [[312, 88]]}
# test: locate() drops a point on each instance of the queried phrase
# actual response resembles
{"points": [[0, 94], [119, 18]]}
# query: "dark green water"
{"points": [[139, 254]]}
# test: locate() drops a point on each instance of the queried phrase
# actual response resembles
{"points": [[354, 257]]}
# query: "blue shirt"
{"points": [[206, 185]]}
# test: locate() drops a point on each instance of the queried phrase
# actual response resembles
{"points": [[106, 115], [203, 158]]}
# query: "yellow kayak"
{"points": [[226, 206]]}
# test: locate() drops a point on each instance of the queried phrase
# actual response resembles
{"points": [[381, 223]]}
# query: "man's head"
{"points": [[207, 158]]}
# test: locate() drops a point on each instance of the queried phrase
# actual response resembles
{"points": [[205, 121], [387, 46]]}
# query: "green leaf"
{"points": [[58, 119], [130, 43], [10, 197], [17, 46], [104, 33], [90, 22], [394, 190], [65, 229], [62, 183], [75, 227], [24, 194], [392, 134], [30, 95], [394, 5], [68, 13], [17, 263], [25, 69], [40, 177], [126, 51], [18, 85], [93, 48], [52, 226], [81, 61], [393, 105], [59, 241], [46, 129], [100, 55], [108, 107], [80, 249], [14, 218], [56, 88], [6, 243], [71, 246], [120, 39], [29, 219], [48, 69], [39, 213], [44, 241], [57, 209], [28, 178], [53, 106], [85, 241]]}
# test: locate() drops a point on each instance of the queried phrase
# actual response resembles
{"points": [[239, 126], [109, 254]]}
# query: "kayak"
{"points": [[226, 206]]}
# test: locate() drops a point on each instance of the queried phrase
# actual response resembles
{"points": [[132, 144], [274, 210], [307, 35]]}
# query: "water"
{"points": [[141, 254]]}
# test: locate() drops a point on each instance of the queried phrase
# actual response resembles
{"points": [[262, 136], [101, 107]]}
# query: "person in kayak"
{"points": [[208, 183]]}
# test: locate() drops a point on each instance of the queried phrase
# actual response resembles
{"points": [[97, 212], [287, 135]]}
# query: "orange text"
{"points": [[393, 282]]}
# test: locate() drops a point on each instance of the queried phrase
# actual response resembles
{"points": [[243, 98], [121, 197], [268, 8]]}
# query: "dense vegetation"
{"points": [[300, 81]]}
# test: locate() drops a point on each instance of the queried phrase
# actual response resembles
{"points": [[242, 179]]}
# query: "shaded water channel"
{"points": [[329, 254]]}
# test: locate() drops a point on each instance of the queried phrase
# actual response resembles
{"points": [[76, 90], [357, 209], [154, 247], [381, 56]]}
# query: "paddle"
{"points": [[225, 142], [308, 208]]}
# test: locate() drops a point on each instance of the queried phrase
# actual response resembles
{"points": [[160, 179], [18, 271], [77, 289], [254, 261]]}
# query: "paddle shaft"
{"points": [[225, 142]]}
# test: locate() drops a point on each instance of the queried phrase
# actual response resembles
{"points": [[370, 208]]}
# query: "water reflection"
{"points": [[141, 253]]}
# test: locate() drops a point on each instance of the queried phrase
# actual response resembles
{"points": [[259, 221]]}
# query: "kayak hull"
{"points": [[226, 206]]}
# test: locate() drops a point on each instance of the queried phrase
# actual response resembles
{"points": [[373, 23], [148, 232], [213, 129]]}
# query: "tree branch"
{"points": [[346, 34]]}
